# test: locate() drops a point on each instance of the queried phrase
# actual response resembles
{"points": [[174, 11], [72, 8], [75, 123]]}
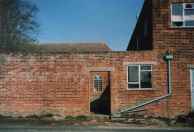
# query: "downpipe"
{"points": [[168, 57]]}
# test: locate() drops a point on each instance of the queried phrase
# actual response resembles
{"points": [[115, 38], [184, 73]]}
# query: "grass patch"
{"points": [[69, 118], [77, 118], [82, 118]]}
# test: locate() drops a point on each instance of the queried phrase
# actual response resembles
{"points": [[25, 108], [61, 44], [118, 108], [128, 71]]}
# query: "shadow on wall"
{"points": [[102, 104]]}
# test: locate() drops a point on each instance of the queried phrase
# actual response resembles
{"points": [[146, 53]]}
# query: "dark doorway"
{"points": [[100, 93]]}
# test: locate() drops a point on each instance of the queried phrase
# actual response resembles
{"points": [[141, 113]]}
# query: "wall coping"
{"points": [[78, 53]]}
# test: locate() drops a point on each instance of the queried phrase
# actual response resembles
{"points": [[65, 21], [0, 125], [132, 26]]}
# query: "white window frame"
{"points": [[183, 14], [139, 76]]}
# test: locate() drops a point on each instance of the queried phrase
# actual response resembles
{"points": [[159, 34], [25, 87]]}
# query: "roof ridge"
{"points": [[74, 43], [79, 47]]}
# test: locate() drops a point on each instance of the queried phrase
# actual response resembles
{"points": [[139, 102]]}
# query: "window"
{"points": [[139, 76], [98, 83], [182, 15]]}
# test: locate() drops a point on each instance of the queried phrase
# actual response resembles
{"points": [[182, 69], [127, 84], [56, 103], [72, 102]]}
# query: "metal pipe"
{"points": [[168, 57], [169, 77]]}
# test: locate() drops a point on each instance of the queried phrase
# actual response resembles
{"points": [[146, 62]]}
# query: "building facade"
{"points": [[110, 82], [170, 27]]}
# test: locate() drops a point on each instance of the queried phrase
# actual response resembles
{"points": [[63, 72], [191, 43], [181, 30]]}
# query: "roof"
{"points": [[74, 47]]}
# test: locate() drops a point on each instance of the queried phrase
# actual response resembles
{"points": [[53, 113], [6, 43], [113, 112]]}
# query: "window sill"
{"points": [[184, 27], [140, 89]]}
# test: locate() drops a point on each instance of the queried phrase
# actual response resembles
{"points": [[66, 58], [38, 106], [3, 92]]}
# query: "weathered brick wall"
{"points": [[60, 83], [122, 97], [43, 84], [180, 41]]}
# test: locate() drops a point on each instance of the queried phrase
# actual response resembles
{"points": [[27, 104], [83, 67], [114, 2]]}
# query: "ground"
{"points": [[47, 128], [80, 124]]}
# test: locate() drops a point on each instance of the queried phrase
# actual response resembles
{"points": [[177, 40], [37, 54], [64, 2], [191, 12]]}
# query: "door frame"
{"points": [[100, 69], [191, 85]]}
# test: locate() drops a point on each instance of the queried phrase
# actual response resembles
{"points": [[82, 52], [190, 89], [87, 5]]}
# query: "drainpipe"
{"points": [[167, 57]]}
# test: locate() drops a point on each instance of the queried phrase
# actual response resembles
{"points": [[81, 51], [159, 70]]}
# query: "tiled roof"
{"points": [[75, 47]]}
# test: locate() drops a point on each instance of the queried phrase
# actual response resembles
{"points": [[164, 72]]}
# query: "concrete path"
{"points": [[33, 126], [90, 129]]}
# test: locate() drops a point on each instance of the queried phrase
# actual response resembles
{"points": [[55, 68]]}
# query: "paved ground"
{"points": [[41, 126], [90, 129]]}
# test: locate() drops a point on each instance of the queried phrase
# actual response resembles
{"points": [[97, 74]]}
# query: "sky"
{"points": [[73, 21]]}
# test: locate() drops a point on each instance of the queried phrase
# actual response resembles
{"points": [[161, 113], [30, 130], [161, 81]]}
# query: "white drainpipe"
{"points": [[168, 57]]}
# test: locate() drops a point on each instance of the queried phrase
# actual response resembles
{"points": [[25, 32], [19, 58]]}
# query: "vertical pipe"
{"points": [[169, 77]]}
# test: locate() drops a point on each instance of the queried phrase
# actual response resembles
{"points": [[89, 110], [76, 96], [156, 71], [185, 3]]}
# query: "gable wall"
{"points": [[180, 42], [142, 35]]}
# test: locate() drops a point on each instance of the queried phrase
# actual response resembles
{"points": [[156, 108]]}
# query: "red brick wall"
{"points": [[180, 41], [60, 83], [38, 84], [122, 97]]}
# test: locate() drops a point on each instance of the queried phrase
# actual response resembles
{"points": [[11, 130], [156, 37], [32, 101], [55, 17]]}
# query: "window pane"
{"points": [[189, 5], [177, 9], [189, 23], [133, 74], [189, 12], [177, 24], [146, 67], [133, 85], [146, 79]]}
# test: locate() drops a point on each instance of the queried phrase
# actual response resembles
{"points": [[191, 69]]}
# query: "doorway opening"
{"points": [[100, 93]]}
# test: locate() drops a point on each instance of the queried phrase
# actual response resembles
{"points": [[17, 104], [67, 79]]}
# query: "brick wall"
{"points": [[180, 42], [60, 83], [43, 84]]}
